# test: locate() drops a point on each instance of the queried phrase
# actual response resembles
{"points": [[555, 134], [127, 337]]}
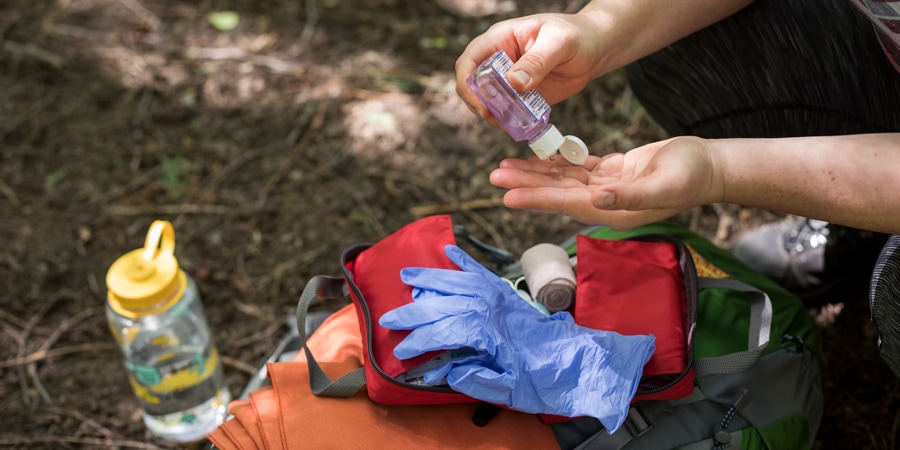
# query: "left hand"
{"points": [[621, 190]]}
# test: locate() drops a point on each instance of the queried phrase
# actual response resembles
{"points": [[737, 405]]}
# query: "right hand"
{"points": [[557, 54]]}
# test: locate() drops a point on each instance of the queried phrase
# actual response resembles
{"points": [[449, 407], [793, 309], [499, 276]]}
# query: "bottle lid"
{"points": [[574, 150], [147, 277], [571, 147]]}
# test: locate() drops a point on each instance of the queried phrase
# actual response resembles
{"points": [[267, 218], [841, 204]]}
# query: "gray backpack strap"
{"points": [[639, 422], [757, 338], [325, 288]]}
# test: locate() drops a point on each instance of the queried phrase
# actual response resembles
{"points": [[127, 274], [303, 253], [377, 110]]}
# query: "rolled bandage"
{"points": [[549, 276]]}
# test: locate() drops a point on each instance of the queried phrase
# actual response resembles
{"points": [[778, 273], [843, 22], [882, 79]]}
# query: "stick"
{"points": [[42, 354], [427, 210], [51, 59], [121, 210], [239, 365], [94, 442]]}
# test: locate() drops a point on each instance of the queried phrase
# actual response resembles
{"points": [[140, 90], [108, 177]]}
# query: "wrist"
{"points": [[600, 26], [719, 173]]}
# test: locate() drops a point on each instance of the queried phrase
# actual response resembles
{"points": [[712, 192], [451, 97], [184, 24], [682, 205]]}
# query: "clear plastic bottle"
{"points": [[526, 116], [155, 313]]}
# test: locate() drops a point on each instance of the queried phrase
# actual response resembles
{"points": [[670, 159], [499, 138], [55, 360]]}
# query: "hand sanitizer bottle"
{"points": [[526, 117]]}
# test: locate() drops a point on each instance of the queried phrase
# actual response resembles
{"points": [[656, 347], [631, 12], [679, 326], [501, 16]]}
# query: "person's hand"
{"points": [[557, 54], [620, 191], [521, 358]]}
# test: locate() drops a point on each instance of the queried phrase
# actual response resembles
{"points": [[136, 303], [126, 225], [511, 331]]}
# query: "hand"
{"points": [[558, 54], [620, 191], [525, 360]]}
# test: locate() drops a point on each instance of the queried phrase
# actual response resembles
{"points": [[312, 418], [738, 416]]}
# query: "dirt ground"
{"points": [[310, 126]]}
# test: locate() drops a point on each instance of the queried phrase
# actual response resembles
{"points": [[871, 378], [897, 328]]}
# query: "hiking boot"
{"points": [[884, 303], [807, 255]]}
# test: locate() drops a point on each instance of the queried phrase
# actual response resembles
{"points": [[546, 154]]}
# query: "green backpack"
{"points": [[757, 381]]}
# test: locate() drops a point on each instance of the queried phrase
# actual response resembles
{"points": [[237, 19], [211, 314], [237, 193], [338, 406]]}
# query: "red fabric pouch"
{"points": [[372, 273], [646, 285]]}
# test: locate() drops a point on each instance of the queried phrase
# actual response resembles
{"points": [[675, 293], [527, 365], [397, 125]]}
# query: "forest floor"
{"points": [[309, 127]]}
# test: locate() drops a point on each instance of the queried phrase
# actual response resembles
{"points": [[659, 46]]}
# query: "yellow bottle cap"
{"points": [[146, 280]]}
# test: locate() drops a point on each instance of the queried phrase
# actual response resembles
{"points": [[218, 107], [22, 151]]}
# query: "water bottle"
{"points": [[155, 313], [526, 116]]}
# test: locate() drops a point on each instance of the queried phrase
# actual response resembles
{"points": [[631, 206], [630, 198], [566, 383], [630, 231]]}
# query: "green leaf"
{"points": [[52, 178], [224, 20]]}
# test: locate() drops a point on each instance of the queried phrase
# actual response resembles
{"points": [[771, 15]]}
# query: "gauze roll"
{"points": [[549, 276]]}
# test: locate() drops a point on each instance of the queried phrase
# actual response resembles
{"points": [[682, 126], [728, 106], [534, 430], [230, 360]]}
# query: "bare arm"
{"points": [[849, 180], [558, 54]]}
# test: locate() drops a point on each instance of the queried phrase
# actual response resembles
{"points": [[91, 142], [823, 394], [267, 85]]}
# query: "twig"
{"points": [[427, 210], [36, 382], [94, 442], [234, 164], [13, 319], [309, 27], [65, 325], [9, 193], [42, 355], [26, 332], [447, 198], [51, 59], [252, 310], [142, 13], [239, 365], [268, 331], [62, 328], [122, 210], [85, 421], [302, 258], [270, 62]]}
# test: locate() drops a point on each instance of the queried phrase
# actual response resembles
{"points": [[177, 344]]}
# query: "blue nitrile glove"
{"points": [[526, 360]]}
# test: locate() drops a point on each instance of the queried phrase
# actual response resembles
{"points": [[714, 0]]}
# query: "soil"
{"points": [[309, 127]]}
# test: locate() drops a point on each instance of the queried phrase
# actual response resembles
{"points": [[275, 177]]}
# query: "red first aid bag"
{"points": [[371, 277], [643, 285]]}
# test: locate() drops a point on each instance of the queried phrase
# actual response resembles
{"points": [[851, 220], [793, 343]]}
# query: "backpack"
{"points": [[752, 379], [757, 383]]}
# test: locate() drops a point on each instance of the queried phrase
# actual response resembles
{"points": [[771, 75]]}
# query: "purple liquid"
{"points": [[523, 123]]}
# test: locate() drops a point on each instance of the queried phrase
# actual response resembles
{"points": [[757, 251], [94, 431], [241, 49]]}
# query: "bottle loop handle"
{"points": [[160, 240]]}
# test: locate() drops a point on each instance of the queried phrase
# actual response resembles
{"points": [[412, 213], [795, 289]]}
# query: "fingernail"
{"points": [[604, 199], [520, 77]]}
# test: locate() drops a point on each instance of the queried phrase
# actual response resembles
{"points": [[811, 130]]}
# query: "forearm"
{"points": [[850, 180], [642, 27]]}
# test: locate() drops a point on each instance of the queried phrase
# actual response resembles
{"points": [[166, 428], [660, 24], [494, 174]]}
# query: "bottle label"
{"points": [[531, 99], [177, 382]]}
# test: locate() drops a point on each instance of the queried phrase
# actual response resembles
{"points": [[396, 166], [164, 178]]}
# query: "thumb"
{"points": [[535, 64], [630, 196]]}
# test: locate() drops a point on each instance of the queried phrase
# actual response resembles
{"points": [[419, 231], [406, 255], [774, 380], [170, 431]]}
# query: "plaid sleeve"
{"points": [[885, 17]]}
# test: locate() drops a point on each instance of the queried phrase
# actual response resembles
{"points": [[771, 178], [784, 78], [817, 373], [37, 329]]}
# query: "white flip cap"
{"points": [[571, 147], [574, 150]]}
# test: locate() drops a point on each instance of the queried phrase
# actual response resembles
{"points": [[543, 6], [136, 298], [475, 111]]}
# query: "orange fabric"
{"points": [[308, 421]]}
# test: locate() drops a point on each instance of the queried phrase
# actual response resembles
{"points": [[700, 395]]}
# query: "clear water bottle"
{"points": [[525, 116], [155, 313]]}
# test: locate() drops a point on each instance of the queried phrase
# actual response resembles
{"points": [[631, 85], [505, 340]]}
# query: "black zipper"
{"points": [[691, 294]]}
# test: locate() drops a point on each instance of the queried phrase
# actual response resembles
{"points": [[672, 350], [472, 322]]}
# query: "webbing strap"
{"points": [[757, 337], [325, 288]]}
